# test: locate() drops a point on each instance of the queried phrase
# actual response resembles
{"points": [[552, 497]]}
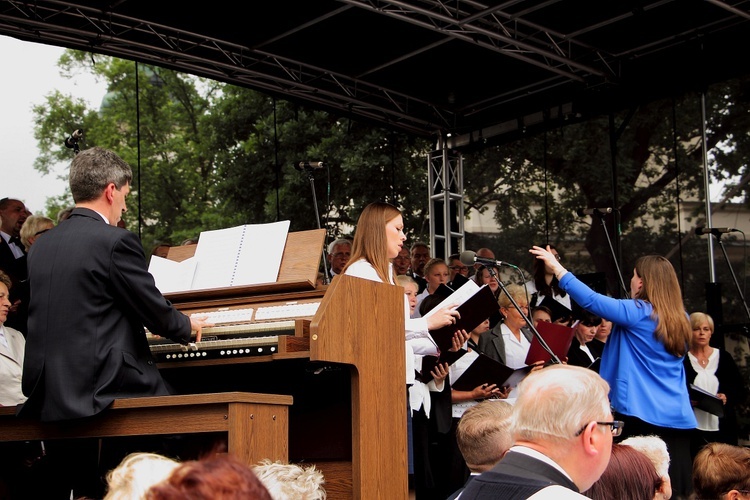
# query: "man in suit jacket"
{"points": [[91, 296], [13, 214], [563, 431]]}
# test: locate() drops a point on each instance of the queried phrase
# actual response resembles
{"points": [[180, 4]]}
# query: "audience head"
{"points": [[401, 262], [99, 179], [419, 254], [220, 477], [588, 323], [4, 297], [161, 250], [654, 280], [435, 273], [541, 313], [603, 330], [378, 237], [655, 450], [136, 474], [33, 227], [483, 434], [13, 214], [64, 214], [721, 471], [563, 411], [339, 252], [411, 289], [457, 267], [703, 327], [291, 481], [483, 277], [629, 474], [511, 317]]}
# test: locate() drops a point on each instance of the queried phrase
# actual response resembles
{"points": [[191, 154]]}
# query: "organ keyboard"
{"points": [[248, 328]]}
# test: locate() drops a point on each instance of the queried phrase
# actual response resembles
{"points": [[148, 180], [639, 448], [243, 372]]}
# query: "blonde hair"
{"points": [[698, 318], [291, 481], [32, 226], [654, 448], [518, 293], [483, 434], [135, 475], [662, 290], [370, 241]]}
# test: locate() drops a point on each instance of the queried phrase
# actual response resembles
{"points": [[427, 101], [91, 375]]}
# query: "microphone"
{"points": [[72, 140], [469, 258], [715, 230], [308, 165], [591, 211]]}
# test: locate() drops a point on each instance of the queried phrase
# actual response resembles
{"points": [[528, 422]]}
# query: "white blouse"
{"points": [[706, 379]]}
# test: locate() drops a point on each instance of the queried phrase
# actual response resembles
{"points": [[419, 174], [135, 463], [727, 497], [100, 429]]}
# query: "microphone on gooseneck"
{"points": [[469, 258]]}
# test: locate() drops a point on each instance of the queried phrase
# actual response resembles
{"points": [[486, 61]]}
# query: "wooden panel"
{"points": [[361, 323]]}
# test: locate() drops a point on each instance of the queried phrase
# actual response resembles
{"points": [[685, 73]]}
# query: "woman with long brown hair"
{"points": [[643, 357]]}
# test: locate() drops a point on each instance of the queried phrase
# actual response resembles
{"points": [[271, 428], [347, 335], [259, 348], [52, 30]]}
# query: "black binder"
{"points": [[429, 363], [706, 401], [473, 311], [485, 370]]}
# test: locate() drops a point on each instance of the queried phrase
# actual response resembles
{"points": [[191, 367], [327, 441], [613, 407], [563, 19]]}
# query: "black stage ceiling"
{"points": [[474, 69]]}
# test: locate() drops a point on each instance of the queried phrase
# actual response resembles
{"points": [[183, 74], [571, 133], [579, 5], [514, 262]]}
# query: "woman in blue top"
{"points": [[643, 357]]}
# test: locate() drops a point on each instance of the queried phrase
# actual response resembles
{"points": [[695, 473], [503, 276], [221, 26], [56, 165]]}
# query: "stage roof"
{"points": [[474, 69]]}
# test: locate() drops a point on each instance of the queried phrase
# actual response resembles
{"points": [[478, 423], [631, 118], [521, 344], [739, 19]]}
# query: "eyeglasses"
{"points": [[616, 425], [41, 232], [459, 268]]}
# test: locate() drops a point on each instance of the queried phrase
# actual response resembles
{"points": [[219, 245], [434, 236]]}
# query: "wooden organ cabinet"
{"points": [[338, 350]]}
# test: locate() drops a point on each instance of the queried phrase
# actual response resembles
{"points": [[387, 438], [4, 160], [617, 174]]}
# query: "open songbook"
{"points": [[485, 370], [242, 255], [474, 303]]}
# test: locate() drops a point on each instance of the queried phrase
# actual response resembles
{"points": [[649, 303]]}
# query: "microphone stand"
{"points": [[731, 270], [326, 275], [493, 274], [612, 250]]}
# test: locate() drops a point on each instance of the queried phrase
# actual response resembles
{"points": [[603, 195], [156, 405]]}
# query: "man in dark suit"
{"points": [[13, 214], [563, 430], [91, 297]]}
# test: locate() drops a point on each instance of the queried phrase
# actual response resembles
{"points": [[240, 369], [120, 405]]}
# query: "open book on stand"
{"points": [[242, 255], [475, 304]]}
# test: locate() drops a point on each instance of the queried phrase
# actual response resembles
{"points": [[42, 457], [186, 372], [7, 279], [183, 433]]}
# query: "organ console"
{"points": [[338, 350]]}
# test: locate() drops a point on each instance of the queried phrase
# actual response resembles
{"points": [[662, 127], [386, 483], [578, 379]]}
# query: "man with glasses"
{"points": [[563, 430], [339, 252]]}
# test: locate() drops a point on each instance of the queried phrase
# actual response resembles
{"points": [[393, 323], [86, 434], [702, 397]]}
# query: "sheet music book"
{"points": [[485, 370], [558, 338], [170, 275], [706, 401], [242, 255], [429, 362], [476, 305]]}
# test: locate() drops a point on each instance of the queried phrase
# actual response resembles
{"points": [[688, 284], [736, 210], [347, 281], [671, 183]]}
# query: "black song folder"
{"points": [[485, 370], [706, 401], [473, 311]]}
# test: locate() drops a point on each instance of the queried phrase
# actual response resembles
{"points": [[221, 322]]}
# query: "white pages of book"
{"points": [[241, 255], [170, 275], [458, 297]]}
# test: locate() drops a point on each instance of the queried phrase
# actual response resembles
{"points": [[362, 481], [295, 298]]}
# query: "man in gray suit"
{"points": [[91, 295], [563, 431]]}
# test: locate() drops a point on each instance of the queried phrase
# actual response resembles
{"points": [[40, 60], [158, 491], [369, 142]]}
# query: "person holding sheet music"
{"points": [[580, 353], [714, 371], [643, 356], [509, 341], [436, 273]]}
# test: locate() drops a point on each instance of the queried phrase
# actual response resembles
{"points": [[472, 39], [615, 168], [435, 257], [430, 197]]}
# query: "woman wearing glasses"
{"points": [[642, 359]]}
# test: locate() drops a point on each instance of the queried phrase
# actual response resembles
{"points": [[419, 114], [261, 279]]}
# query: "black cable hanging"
{"points": [[677, 193], [276, 160], [138, 146]]}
